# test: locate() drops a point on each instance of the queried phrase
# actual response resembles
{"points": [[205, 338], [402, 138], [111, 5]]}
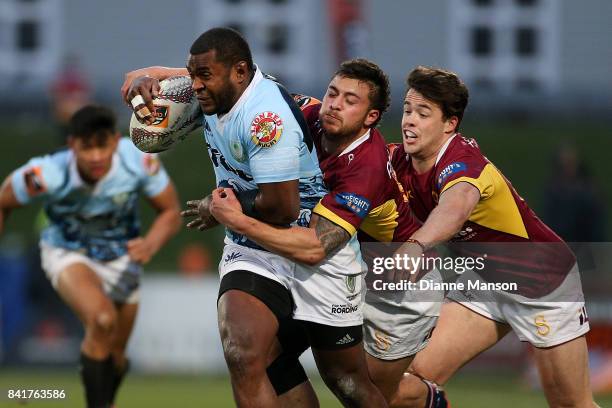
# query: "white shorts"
{"points": [[399, 324], [326, 294], [545, 322], [120, 277]]}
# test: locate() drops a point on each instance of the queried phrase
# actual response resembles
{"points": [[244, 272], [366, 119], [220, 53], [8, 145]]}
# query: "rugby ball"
{"points": [[177, 113]]}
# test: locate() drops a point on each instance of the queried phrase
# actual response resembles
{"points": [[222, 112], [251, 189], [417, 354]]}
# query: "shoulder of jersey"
{"points": [[264, 99], [47, 173], [127, 149], [135, 160], [371, 154], [375, 147], [305, 102], [461, 147], [395, 151], [467, 144]]}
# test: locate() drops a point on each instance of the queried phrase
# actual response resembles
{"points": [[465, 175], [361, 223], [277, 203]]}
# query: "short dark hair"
{"points": [[92, 121], [364, 70], [229, 44], [443, 87]]}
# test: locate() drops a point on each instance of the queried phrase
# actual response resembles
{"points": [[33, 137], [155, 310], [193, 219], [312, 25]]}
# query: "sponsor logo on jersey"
{"points": [[237, 151], [34, 181], [351, 282], [471, 142], [121, 198], [160, 116], [344, 309], [151, 164], [449, 170], [266, 129], [232, 257], [357, 204]]}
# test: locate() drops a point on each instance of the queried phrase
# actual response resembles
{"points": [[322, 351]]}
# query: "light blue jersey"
{"points": [[96, 219], [264, 139]]}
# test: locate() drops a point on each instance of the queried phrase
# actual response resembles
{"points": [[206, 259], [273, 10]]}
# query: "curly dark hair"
{"points": [[443, 87], [229, 45], [364, 70]]}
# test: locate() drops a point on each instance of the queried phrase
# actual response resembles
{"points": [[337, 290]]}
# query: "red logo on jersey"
{"points": [[266, 129], [34, 181]]}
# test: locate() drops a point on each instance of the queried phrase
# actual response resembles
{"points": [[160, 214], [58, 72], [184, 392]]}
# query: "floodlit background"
{"points": [[541, 98]]}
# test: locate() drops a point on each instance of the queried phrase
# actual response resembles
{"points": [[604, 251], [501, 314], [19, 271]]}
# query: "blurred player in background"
{"points": [[91, 251], [463, 198], [260, 147], [365, 200]]}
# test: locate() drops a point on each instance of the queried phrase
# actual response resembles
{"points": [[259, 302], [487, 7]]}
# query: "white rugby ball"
{"points": [[177, 113]]}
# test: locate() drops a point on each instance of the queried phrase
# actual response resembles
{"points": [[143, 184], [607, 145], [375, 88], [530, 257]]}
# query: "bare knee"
{"points": [[409, 392], [103, 321], [241, 357], [345, 384]]}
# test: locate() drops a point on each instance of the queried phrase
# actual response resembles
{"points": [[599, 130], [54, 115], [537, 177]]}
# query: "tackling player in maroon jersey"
{"points": [[364, 198], [462, 197]]}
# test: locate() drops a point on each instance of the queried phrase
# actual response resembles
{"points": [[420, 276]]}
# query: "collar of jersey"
{"points": [[444, 147], [77, 181], [257, 78], [356, 143]]}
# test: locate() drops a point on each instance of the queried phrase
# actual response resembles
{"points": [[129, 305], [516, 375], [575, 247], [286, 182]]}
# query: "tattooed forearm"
{"points": [[330, 235]]}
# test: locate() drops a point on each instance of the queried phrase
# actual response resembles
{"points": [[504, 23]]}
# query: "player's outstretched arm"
{"points": [[305, 245], [453, 210], [157, 72], [166, 224], [8, 201], [200, 210]]}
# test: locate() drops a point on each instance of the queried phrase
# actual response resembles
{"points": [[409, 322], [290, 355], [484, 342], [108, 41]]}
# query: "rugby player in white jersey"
{"points": [[364, 200], [261, 148]]}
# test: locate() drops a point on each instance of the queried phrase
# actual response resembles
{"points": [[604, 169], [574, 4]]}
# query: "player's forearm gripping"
{"points": [[157, 72], [309, 246], [8, 201], [168, 222], [453, 210], [304, 245]]}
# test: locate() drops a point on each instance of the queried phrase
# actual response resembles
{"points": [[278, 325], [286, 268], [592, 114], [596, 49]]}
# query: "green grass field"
{"points": [[466, 391]]}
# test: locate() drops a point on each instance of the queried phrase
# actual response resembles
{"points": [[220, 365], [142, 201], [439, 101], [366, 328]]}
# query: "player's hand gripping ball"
{"points": [[177, 113]]}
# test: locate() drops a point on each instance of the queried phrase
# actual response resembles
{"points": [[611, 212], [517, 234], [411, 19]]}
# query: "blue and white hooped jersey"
{"points": [[264, 139], [96, 219]]}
